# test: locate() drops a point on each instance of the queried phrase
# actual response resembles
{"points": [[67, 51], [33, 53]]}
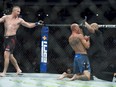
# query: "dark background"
{"points": [[60, 54]]}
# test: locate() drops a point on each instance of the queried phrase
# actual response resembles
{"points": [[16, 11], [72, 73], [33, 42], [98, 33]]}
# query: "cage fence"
{"points": [[60, 54]]}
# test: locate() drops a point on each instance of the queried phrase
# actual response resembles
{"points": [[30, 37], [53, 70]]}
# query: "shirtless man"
{"points": [[79, 44], [11, 24]]}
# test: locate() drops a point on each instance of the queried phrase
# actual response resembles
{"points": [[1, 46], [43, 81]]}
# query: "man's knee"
{"points": [[84, 78], [87, 74], [6, 54]]}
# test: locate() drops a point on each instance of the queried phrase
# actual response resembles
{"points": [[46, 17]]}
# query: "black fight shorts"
{"points": [[9, 43]]}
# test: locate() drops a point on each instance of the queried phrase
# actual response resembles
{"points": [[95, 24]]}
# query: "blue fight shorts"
{"points": [[81, 63]]}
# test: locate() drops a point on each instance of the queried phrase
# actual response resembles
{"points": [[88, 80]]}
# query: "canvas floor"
{"points": [[48, 80]]}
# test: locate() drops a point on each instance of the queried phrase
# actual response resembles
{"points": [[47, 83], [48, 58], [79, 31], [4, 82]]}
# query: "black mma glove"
{"points": [[39, 23]]}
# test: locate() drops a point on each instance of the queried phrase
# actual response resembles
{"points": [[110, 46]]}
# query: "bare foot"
{"points": [[62, 76], [73, 78], [2, 74], [19, 72]]}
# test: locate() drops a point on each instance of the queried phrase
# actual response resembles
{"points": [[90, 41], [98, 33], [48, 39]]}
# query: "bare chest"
{"points": [[12, 22]]}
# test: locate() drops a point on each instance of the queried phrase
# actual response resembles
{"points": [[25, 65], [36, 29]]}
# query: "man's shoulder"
{"points": [[4, 16], [80, 35], [75, 36], [20, 18], [7, 15]]}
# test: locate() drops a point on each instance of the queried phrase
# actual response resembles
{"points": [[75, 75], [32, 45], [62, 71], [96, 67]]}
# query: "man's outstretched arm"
{"points": [[31, 25]]}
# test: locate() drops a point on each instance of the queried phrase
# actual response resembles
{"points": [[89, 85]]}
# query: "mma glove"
{"points": [[39, 23]]}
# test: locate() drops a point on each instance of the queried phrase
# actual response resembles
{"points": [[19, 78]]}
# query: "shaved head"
{"points": [[15, 8], [74, 26]]}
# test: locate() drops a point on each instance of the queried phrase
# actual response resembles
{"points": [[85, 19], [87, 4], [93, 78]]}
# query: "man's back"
{"points": [[76, 44]]}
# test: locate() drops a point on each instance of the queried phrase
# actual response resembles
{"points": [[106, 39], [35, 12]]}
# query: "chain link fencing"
{"points": [[60, 54]]}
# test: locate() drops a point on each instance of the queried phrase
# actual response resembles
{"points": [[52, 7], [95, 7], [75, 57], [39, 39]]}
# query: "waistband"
{"points": [[10, 36], [78, 55]]}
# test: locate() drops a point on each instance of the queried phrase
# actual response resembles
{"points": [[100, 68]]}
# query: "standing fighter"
{"points": [[11, 24], [97, 53], [81, 63]]}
